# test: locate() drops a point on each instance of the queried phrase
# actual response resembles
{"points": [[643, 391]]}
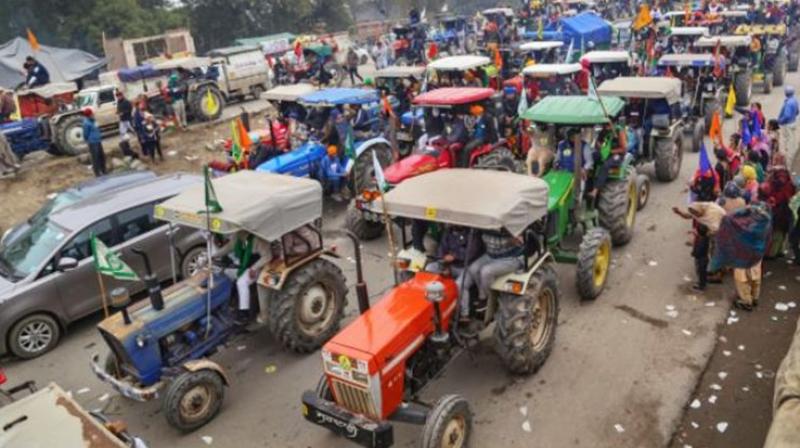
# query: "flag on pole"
{"points": [[540, 28], [33, 41], [704, 165], [387, 106], [236, 149], [498, 59], [522, 106], [379, 177], [730, 105], [349, 145], [211, 102], [592, 90], [571, 47], [715, 129], [212, 203], [107, 262], [643, 18]]}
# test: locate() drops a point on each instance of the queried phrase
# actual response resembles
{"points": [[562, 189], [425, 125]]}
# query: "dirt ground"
{"points": [[42, 174], [741, 372]]}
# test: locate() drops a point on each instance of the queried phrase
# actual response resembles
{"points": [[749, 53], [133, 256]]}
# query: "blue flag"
{"points": [[755, 126], [746, 136], [705, 163]]}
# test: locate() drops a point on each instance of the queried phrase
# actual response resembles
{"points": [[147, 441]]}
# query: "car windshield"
{"points": [[58, 202], [25, 254], [85, 100]]}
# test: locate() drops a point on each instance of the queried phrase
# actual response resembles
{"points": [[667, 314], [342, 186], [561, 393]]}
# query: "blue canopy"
{"points": [[585, 27], [137, 73], [340, 96]]}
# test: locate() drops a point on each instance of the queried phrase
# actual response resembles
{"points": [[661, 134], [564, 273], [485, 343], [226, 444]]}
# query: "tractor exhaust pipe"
{"points": [[151, 282], [361, 286]]}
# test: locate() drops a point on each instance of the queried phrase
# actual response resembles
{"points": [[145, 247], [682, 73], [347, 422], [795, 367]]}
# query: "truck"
{"points": [[243, 71]]}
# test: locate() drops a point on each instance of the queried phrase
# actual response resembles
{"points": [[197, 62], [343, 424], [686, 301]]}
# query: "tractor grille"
{"points": [[354, 399]]}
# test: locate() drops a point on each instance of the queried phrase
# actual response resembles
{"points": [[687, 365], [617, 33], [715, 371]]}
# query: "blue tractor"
{"points": [[455, 35], [305, 161], [160, 348]]}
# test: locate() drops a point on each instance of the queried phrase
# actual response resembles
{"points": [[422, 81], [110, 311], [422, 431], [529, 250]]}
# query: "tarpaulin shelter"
{"points": [[64, 64], [578, 30]]}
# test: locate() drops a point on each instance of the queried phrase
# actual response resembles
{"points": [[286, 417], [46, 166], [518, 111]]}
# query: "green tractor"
{"points": [[600, 221]]}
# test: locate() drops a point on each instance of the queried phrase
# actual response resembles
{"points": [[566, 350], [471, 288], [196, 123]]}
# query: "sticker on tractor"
{"points": [[345, 363], [430, 212]]}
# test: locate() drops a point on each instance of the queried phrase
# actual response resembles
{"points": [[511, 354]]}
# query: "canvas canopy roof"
{"points": [[63, 64], [505, 11], [541, 45], [654, 87], [51, 90], [230, 51], [289, 92], [452, 96], [601, 56], [761, 29], [732, 13], [185, 63], [585, 27], [687, 59], [263, 204], [337, 96], [725, 41], [689, 31], [466, 62], [481, 199], [578, 110], [401, 71], [545, 70]]}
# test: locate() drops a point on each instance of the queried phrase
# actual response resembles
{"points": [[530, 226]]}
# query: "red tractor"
{"points": [[376, 368], [435, 150]]}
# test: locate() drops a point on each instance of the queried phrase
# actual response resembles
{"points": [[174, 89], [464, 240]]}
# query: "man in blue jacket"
{"points": [[787, 120], [35, 73], [333, 173], [93, 137]]}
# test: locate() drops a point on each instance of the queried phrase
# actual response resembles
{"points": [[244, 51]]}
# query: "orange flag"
{"points": [[33, 41], [244, 137], [498, 60], [387, 106], [643, 18], [715, 129]]}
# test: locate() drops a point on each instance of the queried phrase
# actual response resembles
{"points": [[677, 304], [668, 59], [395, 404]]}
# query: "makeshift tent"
{"points": [[586, 27], [64, 64]]}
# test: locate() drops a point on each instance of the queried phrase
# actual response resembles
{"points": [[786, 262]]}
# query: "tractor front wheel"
{"points": [[364, 229], [617, 207], [769, 81], [500, 159], [526, 324], [68, 135], [779, 71], [449, 424], [698, 134], [743, 84], [643, 191], [207, 103], [307, 311], [594, 258], [193, 399]]}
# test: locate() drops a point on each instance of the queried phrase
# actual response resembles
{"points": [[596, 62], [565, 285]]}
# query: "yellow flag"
{"points": [[731, 103], [33, 41], [643, 18]]}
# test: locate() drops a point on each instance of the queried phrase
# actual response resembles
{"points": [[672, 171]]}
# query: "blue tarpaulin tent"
{"points": [[584, 27]]}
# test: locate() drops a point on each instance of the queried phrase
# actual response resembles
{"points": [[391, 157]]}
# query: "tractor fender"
{"points": [[267, 279], [364, 146], [524, 277], [197, 365]]}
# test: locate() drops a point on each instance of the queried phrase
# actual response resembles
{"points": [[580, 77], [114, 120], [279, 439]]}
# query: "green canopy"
{"points": [[573, 110]]}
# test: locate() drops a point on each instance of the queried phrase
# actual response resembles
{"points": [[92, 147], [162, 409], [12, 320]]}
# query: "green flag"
{"points": [[212, 203], [350, 145], [108, 263], [605, 149]]}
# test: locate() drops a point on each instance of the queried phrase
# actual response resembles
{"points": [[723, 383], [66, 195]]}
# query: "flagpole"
{"points": [[103, 297], [208, 256]]}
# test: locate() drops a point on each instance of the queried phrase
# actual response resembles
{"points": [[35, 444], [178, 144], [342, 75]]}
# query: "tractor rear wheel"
{"points": [[307, 311], [500, 159], [68, 134], [779, 71], [617, 205], [364, 167], [193, 399], [449, 424], [642, 191], [525, 329], [743, 84], [794, 61], [594, 258], [207, 103], [669, 155], [769, 81], [364, 229], [698, 134]]}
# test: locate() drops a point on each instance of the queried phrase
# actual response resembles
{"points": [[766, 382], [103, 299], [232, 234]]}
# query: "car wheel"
{"points": [[194, 261], [34, 336]]}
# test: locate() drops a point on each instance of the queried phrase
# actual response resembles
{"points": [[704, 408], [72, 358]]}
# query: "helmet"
{"points": [[476, 110], [332, 150]]}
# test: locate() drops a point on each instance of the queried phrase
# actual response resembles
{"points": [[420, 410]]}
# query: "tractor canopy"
{"points": [[188, 63], [727, 41], [640, 87], [338, 96], [687, 60], [759, 30], [459, 63], [548, 70], [480, 199], [575, 110], [266, 205], [540, 45], [401, 71], [288, 93], [603, 57], [453, 96], [689, 31]]}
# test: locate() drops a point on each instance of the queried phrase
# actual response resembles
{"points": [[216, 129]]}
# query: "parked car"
{"points": [[83, 190], [47, 275]]}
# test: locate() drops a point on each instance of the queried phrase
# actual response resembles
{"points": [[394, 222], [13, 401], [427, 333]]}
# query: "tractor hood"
{"points": [[389, 332], [411, 166], [559, 184]]}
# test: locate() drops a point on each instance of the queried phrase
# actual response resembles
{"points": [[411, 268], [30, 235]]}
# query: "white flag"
{"points": [[523, 101], [379, 177]]}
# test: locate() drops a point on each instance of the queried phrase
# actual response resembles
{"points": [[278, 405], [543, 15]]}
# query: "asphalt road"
{"points": [[620, 375]]}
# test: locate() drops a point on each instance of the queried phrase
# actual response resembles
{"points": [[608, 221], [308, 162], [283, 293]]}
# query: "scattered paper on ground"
{"points": [[619, 428], [526, 426], [722, 426]]}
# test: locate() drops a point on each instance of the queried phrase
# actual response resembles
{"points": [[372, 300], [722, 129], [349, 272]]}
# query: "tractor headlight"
{"points": [[141, 341], [514, 287]]}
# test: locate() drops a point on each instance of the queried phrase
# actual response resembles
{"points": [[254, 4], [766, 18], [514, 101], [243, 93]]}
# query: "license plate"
{"points": [[355, 428]]}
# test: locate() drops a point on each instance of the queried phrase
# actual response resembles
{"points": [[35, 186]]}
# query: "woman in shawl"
{"points": [[777, 191]]}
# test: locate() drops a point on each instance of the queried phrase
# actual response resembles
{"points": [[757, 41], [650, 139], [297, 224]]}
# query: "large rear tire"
{"points": [[207, 103], [769, 81], [500, 159], [743, 84], [193, 399], [594, 259], [307, 311], [779, 71], [698, 134], [617, 206], [525, 329], [669, 156], [449, 424], [794, 61], [69, 136], [364, 229], [364, 168]]}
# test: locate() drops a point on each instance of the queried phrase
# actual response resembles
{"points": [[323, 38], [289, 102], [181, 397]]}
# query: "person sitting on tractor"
{"points": [[612, 145], [362, 124], [249, 254], [510, 104], [457, 130], [502, 256], [482, 133], [565, 153], [491, 35], [332, 173], [35, 73], [458, 247]]}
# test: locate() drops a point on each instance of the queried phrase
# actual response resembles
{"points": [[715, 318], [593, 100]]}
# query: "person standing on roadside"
{"points": [[352, 66], [178, 93], [125, 114], [787, 120], [93, 137]]}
